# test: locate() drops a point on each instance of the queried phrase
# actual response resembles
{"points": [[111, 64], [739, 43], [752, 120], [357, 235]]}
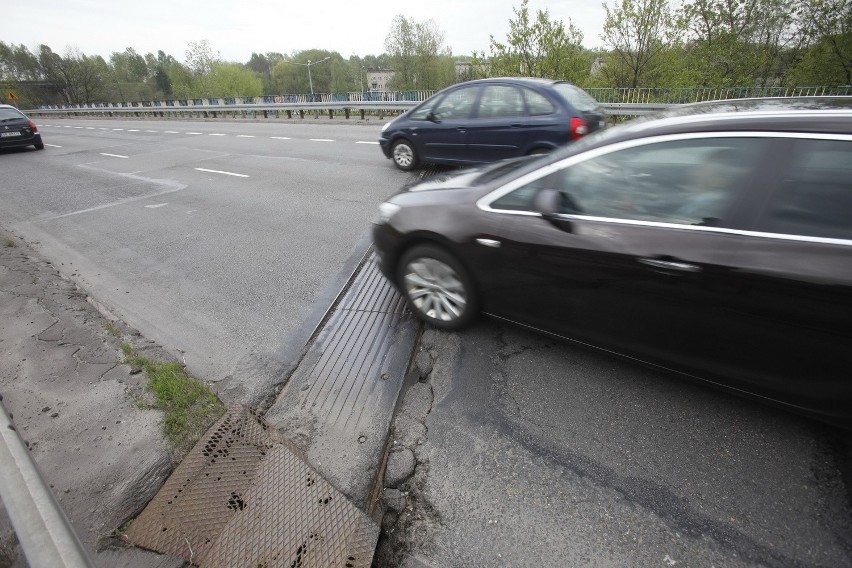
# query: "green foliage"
{"points": [[639, 33], [539, 47], [418, 56], [189, 406], [234, 80]]}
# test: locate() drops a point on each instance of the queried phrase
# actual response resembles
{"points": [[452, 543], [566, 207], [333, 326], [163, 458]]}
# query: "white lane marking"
{"points": [[52, 145], [67, 126], [221, 172], [280, 138], [118, 129], [103, 128], [152, 131], [172, 132], [365, 142], [193, 132], [155, 206], [244, 136], [114, 155], [321, 140], [217, 135], [132, 130], [79, 127], [90, 128]]}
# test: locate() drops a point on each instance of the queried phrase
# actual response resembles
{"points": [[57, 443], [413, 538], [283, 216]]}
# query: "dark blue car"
{"points": [[491, 119]]}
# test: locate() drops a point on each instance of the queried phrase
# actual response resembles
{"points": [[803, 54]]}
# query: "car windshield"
{"points": [[578, 98]]}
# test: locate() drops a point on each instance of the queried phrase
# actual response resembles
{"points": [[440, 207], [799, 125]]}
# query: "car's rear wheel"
{"points": [[404, 155], [39, 145], [438, 288], [538, 151]]}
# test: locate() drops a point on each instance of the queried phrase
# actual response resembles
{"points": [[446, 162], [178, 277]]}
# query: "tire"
{"points": [[404, 155], [437, 287], [539, 151], [39, 146]]}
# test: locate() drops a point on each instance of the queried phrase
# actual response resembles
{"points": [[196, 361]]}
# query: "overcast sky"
{"points": [[236, 29]]}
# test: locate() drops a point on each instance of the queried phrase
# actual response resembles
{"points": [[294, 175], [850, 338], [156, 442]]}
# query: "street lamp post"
{"points": [[308, 65]]}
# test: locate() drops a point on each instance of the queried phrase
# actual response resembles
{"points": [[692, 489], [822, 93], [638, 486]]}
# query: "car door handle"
{"points": [[489, 243], [461, 129], [670, 265]]}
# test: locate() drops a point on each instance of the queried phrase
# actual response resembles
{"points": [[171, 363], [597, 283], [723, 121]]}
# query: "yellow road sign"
{"points": [[12, 96]]}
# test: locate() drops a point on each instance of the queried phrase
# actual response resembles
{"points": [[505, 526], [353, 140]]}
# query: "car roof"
{"points": [[519, 80]]}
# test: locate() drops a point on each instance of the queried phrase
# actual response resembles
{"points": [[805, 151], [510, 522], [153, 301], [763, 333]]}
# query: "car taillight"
{"points": [[579, 128], [33, 126]]}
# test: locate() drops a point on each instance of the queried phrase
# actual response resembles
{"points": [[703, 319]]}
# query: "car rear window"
{"points": [[577, 97], [10, 113]]}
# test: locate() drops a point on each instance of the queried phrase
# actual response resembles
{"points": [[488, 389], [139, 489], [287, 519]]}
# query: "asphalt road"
{"points": [[224, 242], [533, 452]]}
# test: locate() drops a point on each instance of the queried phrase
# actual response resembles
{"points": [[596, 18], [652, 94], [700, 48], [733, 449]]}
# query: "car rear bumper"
{"points": [[20, 141]]}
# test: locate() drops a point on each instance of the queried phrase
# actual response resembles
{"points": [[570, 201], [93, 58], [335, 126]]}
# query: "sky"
{"points": [[236, 29]]}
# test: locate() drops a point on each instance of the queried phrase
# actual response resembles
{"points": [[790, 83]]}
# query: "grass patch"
{"points": [[190, 406], [112, 330], [10, 243]]}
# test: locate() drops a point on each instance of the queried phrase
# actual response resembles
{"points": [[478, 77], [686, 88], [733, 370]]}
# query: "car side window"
{"points": [[500, 101], [538, 104], [690, 182], [456, 104], [814, 197]]}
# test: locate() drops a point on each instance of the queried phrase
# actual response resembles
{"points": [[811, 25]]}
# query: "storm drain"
{"points": [[245, 497]]}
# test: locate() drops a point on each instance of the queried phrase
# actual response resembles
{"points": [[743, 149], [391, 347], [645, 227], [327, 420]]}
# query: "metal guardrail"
{"points": [[42, 527], [273, 110]]}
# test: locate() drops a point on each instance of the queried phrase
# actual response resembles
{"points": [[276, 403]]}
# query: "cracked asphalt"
{"points": [[513, 449], [75, 405]]}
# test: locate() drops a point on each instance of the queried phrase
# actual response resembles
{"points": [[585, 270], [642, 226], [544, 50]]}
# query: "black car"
{"points": [[491, 119], [714, 240], [17, 130]]}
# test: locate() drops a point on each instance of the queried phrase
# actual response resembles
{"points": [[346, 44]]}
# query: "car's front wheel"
{"points": [[438, 288], [404, 155]]}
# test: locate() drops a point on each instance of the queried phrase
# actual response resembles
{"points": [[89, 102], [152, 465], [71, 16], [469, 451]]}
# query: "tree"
{"points": [[539, 48], [201, 60], [235, 80], [638, 32], [737, 42], [826, 27], [417, 55]]}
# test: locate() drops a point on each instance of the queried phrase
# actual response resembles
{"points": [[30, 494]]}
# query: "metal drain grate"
{"points": [[244, 497]]}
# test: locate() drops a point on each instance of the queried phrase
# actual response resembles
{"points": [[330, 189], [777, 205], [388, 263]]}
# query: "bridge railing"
{"points": [[624, 102]]}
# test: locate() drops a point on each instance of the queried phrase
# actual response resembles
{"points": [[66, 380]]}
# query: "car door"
{"points": [[632, 263], [793, 278], [443, 135], [500, 126]]}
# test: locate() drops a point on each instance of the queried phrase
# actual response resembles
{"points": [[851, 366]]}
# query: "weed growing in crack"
{"points": [[112, 330], [10, 243], [190, 406]]}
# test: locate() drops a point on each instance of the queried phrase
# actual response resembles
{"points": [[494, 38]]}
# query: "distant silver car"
{"points": [[17, 130]]}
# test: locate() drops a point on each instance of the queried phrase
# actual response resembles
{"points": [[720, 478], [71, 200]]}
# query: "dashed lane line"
{"points": [[366, 142], [321, 140], [52, 145], [114, 155], [155, 206], [280, 138], [245, 136], [217, 134], [221, 172]]}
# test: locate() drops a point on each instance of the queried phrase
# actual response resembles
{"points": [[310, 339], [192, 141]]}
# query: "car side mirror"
{"points": [[432, 117], [549, 204]]}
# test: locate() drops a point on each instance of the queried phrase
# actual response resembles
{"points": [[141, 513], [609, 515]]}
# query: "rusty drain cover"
{"points": [[245, 497]]}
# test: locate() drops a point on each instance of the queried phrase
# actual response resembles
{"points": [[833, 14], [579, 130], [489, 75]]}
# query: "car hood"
{"points": [[470, 176]]}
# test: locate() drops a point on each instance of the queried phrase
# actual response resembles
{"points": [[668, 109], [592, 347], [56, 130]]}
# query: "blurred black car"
{"points": [[17, 130], [491, 119], [714, 240]]}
